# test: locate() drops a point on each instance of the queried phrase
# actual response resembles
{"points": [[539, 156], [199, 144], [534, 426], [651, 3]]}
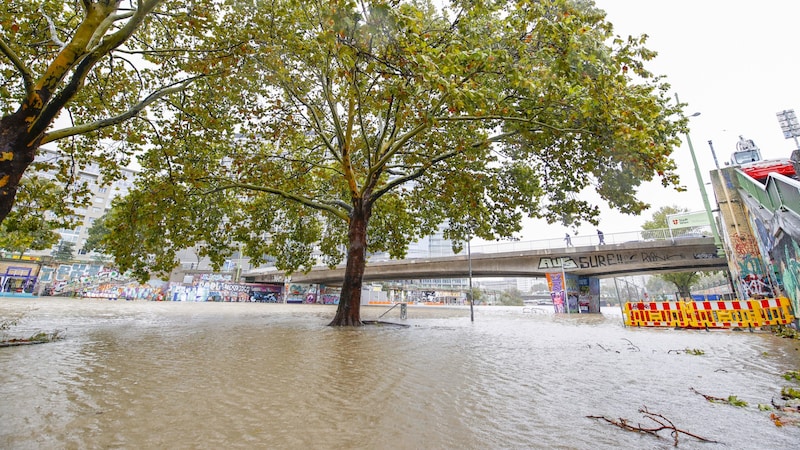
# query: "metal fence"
{"points": [[779, 192], [663, 234]]}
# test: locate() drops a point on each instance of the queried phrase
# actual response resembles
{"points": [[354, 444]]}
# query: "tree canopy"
{"points": [[84, 74], [333, 129], [392, 118]]}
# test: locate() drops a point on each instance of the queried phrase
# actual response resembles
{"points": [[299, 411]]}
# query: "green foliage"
{"points": [[792, 375], [785, 332], [478, 296], [99, 66], [659, 220], [40, 210], [694, 351], [788, 393], [510, 297], [65, 251], [683, 281], [96, 236], [734, 401], [406, 116]]}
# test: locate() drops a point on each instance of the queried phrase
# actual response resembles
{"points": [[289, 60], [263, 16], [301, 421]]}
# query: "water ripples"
{"points": [[193, 376]]}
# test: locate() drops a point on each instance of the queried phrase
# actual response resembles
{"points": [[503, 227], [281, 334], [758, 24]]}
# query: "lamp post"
{"points": [[701, 185], [469, 257]]}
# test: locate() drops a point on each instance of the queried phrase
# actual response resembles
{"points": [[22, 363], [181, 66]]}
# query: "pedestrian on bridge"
{"points": [[568, 240], [601, 237]]}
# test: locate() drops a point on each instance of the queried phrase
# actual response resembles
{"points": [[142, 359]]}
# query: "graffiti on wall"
{"points": [[330, 295], [592, 261], [751, 275], [564, 292], [224, 291], [787, 256], [744, 244], [302, 293]]}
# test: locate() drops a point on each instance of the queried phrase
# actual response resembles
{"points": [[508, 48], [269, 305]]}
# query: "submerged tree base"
{"points": [[363, 323]]}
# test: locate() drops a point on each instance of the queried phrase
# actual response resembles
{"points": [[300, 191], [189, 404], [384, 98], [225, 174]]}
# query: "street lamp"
{"points": [[701, 185], [471, 293]]}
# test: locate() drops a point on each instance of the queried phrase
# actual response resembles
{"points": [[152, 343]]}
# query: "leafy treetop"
{"points": [[400, 117]]}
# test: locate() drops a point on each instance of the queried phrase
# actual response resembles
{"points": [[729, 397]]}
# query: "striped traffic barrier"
{"points": [[656, 314], [710, 314]]}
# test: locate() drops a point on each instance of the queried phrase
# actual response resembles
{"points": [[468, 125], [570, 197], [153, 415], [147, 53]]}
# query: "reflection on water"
{"points": [[212, 375]]}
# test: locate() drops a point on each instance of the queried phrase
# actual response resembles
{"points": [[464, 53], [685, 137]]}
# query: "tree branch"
{"points": [[136, 109], [328, 206], [27, 76], [663, 424]]}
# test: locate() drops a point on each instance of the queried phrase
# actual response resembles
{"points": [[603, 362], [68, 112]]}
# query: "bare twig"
{"points": [[663, 424], [710, 398], [631, 346]]}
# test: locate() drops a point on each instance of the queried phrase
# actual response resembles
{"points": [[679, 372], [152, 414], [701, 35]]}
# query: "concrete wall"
{"points": [[761, 245]]}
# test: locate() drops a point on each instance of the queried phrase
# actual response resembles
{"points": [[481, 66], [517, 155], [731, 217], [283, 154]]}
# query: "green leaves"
{"points": [[40, 210], [470, 118]]}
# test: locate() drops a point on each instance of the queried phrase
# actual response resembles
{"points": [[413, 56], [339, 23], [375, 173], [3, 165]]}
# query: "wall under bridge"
{"points": [[760, 228]]}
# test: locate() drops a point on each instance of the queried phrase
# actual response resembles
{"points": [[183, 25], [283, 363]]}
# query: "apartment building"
{"points": [[102, 195]]}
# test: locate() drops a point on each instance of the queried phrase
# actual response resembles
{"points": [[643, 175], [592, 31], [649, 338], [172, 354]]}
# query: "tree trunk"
{"points": [[349, 311], [17, 150]]}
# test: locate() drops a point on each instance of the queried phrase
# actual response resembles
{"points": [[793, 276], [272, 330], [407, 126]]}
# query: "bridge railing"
{"points": [[624, 237], [577, 241], [778, 192]]}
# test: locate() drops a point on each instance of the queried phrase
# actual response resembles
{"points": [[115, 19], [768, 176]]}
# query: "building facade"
{"points": [[102, 196]]}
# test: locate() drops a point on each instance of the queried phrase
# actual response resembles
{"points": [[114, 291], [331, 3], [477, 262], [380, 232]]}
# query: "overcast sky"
{"points": [[734, 61]]}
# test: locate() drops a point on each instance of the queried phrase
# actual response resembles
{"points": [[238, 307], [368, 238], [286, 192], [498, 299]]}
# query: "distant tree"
{"points": [[683, 281], [660, 288], [348, 128], [478, 296], [40, 210], [65, 251], [96, 236], [510, 297]]}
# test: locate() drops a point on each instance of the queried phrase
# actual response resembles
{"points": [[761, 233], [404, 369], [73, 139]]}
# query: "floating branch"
{"points": [[662, 424], [631, 346], [689, 351], [790, 416], [731, 400]]}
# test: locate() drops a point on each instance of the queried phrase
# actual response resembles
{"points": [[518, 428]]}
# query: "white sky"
{"points": [[734, 61]]}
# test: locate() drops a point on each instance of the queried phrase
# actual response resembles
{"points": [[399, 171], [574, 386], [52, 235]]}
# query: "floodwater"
{"points": [[148, 375]]}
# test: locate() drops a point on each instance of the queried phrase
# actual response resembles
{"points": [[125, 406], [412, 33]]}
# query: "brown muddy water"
{"points": [[147, 375]]}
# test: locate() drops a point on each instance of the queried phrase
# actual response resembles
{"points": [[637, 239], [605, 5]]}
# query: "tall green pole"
{"points": [[701, 185]]}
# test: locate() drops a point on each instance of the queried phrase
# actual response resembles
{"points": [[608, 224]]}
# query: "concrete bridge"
{"points": [[757, 228], [521, 259]]}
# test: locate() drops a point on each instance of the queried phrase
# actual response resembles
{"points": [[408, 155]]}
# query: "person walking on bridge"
{"points": [[601, 237], [568, 240]]}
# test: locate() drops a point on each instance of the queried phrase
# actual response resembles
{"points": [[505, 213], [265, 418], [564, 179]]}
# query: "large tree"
{"points": [[363, 125], [75, 72]]}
